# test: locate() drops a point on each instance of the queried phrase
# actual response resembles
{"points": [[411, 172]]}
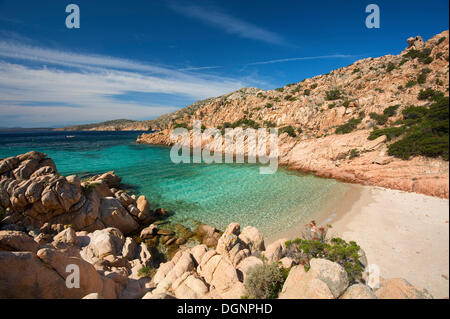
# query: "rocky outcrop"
{"points": [[365, 87], [110, 266], [398, 288], [34, 194]]}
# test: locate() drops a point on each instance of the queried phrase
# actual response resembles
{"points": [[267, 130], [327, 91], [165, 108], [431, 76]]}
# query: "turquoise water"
{"points": [[215, 194]]}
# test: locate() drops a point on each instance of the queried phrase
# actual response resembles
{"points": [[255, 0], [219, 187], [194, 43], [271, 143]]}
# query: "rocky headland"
{"points": [[356, 124], [124, 248]]}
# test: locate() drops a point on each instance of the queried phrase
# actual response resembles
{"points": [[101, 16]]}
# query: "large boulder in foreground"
{"points": [[398, 288], [17, 241], [43, 276], [113, 214], [358, 291], [324, 280]]}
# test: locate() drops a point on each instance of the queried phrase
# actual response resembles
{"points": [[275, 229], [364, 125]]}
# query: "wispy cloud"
{"points": [[215, 17], [319, 57], [42, 85], [200, 68]]}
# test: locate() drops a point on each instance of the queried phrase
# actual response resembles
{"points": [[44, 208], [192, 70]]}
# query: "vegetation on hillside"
{"points": [[424, 130]]}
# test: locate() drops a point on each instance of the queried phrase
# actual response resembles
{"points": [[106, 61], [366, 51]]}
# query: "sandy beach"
{"points": [[405, 234]]}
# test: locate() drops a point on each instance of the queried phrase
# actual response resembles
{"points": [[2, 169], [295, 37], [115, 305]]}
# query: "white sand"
{"points": [[405, 234]]}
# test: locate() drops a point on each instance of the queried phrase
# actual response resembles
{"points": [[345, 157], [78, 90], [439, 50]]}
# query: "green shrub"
{"points": [[410, 84], [268, 105], [244, 123], [348, 127], [356, 70], [182, 125], [390, 67], [332, 105], [333, 95], [390, 132], [299, 130], [269, 124], [289, 130], [346, 103], [265, 281], [428, 134], [279, 89], [146, 272], [430, 94], [403, 61], [422, 78], [441, 40], [313, 86], [336, 250], [353, 153], [422, 55], [307, 92], [290, 98], [391, 110], [381, 119]]}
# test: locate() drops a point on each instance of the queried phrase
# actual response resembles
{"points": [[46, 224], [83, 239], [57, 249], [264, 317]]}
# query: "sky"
{"points": [[140, 59]]}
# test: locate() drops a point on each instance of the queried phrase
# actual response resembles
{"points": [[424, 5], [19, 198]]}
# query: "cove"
{"points": [[214, 194]]}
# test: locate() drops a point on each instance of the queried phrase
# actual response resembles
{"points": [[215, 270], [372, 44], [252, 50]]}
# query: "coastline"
{"points": [[405, 234]]}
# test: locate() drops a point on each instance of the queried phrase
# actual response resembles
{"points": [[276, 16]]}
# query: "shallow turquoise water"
{"points": [[215, 194]]}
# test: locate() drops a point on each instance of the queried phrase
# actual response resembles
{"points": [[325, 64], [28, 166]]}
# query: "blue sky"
{"points": [[140, 59]]}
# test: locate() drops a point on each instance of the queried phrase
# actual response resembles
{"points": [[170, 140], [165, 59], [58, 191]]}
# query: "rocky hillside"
{"points": [[380, 121], [114, 125]]}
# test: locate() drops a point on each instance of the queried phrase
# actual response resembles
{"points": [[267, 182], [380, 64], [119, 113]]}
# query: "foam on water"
{"points": [[215, 194]]}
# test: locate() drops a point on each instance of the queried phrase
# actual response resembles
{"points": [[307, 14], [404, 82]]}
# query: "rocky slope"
{"points": [[351, 100], [49, 222], [115, 125]]}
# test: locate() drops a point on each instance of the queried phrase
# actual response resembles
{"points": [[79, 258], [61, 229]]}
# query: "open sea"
{"points": [[215, 194]]}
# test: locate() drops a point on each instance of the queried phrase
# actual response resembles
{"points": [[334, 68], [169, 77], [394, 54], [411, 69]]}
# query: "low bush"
{"points": [[289, 130], [427, 134], [346, 254], [422, 55], [265, 281], [348, 127], [380, 119], [390, 132], [146, 272], [182, 125], [353, 153], [410, 84], [390, 67], [391, 110], [333, 95], [430, 94]]}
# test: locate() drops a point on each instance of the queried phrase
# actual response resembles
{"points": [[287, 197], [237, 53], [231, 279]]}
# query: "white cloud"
{"points": [[81, 87], [318, 57], [215, 17]]}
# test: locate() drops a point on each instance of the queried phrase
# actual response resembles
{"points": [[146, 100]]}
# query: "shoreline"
{"points": [[405, 234], [395, 174]]}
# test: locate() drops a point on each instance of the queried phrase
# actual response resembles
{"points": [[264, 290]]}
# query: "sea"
{"points": [[214, 194]]}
